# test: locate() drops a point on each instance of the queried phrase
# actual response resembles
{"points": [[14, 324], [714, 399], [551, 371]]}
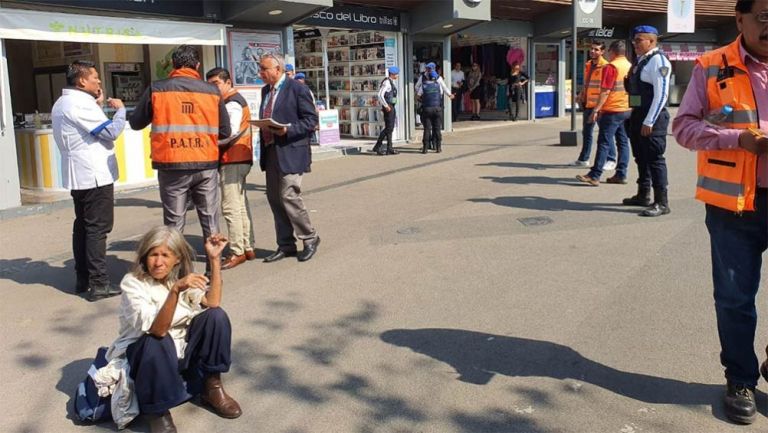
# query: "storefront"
{"points": [[345, 51], [129, 53], [683, 58]]}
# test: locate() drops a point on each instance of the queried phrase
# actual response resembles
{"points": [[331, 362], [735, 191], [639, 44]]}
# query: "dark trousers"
{"points": [[456, 103], [161, 381], [738, 242], [386, 133], [432, 119], [94, 217], [649, 151]]}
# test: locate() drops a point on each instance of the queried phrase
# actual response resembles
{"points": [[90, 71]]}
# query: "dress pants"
{"points": [[649, 151], [202, 186], [235, 208], [161, 380], [432, 119], [94, 217], [456, 103], [284, 196], [386, 133], [738, 242]]}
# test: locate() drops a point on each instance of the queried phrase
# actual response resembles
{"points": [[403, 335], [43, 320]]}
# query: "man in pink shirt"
{"points": [[738, 237]]}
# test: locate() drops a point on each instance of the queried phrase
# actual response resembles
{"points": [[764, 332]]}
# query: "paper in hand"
{"points": [[269, 123]]}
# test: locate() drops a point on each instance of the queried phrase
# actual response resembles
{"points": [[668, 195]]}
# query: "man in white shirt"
{"points": [[457, 81], [85, 137]]}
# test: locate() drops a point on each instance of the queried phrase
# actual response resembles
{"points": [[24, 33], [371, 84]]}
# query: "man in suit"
{"points": [[285, 156]]}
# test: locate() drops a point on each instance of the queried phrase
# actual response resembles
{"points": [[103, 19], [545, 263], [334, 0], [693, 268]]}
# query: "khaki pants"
{"points": [[234, 207]]}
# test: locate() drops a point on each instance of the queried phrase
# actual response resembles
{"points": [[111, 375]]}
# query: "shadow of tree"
{"points": [[526, 165], [28, 271], [138, 202], [494, 421], [553, 204], [477, 357], [528, 180]]}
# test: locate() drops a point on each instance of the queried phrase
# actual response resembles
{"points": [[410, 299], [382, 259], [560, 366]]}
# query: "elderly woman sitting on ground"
{"points": [[174, 339]]}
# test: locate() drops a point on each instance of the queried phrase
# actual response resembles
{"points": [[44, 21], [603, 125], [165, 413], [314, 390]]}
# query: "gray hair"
{"points": [[174, 240], [277, 57]]}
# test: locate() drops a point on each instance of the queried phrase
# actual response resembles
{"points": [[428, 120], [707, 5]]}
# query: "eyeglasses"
{"points": [[638, 40], [762, 17], [264, 68]]}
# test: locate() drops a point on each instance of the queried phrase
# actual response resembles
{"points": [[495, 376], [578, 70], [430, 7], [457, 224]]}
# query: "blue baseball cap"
{"points": [[299, 76], [433, 75], [393, 70], [645, 29], [431, 65], [288, 67]]}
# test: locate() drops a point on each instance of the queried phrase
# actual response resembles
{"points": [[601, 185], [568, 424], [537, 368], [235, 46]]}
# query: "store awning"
{"points": [[51, 26], [685, 52]]}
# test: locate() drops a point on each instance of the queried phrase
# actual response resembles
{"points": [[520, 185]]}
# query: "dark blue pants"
{"points": [[612, 135], [161, 381], [432, 119], [738, 242], [587, 140], [649, 151]]}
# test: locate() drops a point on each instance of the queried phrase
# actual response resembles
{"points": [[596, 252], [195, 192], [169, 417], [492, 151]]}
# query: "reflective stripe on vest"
{"points": [[241, 150], [185, 122], [593, 76], [728, 178], [618, 99]]}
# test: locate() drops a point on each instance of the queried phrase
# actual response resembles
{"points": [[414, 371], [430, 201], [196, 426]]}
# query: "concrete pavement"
{"points": [[478, 290]]}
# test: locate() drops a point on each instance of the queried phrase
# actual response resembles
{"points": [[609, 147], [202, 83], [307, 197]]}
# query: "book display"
{"points": [[356, 68]]}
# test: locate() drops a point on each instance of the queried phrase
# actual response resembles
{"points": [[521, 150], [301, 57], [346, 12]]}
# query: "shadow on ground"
{"points": [[477, 357], [28, 271], [554, 204]]}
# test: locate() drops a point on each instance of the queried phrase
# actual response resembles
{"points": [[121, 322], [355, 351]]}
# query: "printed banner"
{"points": [[329, 128]]}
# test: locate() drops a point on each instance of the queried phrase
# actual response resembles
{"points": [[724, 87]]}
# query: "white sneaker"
{"points": [[578, 163], [609, 165]]}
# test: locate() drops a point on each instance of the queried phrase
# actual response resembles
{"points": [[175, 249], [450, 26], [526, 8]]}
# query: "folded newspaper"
{"points": [[269, 123]]}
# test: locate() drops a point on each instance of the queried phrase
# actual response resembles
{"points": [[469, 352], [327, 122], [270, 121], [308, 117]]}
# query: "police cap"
{"points": [[645, 29]]}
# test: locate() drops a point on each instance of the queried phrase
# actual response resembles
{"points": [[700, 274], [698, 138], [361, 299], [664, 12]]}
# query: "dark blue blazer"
{"points": [[293, 105]]}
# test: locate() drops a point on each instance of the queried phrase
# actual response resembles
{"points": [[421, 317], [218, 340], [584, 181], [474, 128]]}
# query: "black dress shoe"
{"points": [[100, 292], [279, 255], [656, 209], [392, 152], [740, 404], [309, 250], [764, 370]]}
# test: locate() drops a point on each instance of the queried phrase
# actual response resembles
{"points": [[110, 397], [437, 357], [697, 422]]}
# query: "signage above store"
{"points": [[186, 8], [681, 16], [589, 13], [353, 17], [51, 26]]}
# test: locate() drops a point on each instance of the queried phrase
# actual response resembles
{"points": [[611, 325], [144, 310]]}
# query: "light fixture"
{"points": [[447, 26], [565, 32], [275, 12]]}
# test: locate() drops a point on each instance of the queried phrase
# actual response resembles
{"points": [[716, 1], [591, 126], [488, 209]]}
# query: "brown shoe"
{"points": [[232, 261], [588, 180], [616, 179], [250, 255], [214, 396], [162, 424]]}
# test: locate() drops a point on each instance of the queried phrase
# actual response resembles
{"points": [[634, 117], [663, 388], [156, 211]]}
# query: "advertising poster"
{"points": [[390, 52], [681, 16], [329, 128], [253, 97], [245, 49]]}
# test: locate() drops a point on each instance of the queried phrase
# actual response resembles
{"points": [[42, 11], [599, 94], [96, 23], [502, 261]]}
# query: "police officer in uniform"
{"points": [[648, 87], [388, 99], [431, 95]]}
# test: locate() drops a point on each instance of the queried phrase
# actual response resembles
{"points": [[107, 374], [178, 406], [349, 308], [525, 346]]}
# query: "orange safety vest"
{"points": [[241, 150], [618, 99], [185, 122], [728, 178], [592, 77]]}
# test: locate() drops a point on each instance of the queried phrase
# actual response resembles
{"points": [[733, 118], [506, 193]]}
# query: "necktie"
{"points": [[266, 133]]}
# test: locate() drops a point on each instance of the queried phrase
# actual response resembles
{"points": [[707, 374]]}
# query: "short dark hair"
{"points": [[744, 6], [185, 56], [618, 47], [78, 69], [601, 44], [222, 73]]}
